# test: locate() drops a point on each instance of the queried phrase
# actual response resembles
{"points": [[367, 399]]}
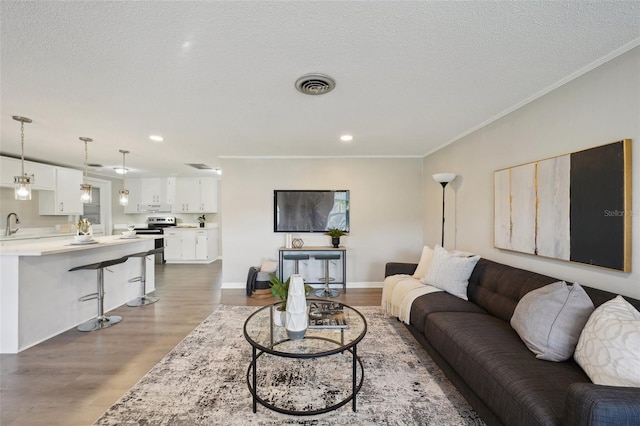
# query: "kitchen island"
{"points": [[39, 296]]}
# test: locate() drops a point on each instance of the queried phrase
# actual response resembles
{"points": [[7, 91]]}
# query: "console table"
{"points": [[311, 250]]}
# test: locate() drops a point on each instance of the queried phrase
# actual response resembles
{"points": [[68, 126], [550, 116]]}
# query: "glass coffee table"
{"points": [[329, 351]]}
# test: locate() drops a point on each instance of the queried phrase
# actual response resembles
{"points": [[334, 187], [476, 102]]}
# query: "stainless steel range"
{"points": [[156, 225]]}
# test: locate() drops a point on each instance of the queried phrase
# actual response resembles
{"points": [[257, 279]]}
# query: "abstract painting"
{"points": [[574, 207]]}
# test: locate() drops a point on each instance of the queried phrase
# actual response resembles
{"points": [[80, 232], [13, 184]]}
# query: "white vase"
{"points": [[296, 318], [279, 317]]}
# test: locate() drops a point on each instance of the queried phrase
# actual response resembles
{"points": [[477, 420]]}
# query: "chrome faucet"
{"points": [[8, 231]]}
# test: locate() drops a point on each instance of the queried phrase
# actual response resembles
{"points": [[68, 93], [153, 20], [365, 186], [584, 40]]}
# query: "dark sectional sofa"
{"points": [[474, 344]]}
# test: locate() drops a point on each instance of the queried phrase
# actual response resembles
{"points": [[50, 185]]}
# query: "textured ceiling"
{"points": [[217, 79]]}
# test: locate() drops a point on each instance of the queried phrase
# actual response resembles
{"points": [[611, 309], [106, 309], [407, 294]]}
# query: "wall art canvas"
{"points": [[575, 207]]}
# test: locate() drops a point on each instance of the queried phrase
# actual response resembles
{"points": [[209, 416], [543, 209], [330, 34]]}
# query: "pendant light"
{"points": [[85, 187], [124, 193], [23, 182]]}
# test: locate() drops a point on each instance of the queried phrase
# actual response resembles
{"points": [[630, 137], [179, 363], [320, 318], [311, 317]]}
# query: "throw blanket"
{"points": [[398, 294]]}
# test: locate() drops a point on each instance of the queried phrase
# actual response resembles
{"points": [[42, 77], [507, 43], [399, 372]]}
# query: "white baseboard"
{"points": [[372, 284]]}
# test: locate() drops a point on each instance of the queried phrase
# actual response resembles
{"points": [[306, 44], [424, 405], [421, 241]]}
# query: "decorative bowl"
{"points": [[82, 238], [128, 233]]}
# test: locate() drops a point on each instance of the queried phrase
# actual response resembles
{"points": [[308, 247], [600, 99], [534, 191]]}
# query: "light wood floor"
{"points": [[74, 377]]}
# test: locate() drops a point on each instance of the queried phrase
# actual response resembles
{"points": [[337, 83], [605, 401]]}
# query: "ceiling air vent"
{"points": [[200, 166], [315, 84]]}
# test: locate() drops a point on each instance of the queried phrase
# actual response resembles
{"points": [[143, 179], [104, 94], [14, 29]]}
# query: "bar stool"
{"points": [[327, 291], [101, 321], [297, 258], [142, 279]]}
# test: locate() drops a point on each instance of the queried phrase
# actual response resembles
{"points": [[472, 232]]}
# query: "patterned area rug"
{"points": [[202, 381]]}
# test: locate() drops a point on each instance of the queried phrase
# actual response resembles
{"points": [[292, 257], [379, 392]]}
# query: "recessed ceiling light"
{"points": [[156, 138], [346, 138]]}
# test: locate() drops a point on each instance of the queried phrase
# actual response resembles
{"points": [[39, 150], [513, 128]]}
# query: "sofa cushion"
{"points": [[608, 346], [498, 288], [450, 272], [549, 320], [492, 360], [439, 302]]}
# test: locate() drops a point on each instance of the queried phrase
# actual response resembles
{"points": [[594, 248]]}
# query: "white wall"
{"points": [[386, 211], [600, 107]]}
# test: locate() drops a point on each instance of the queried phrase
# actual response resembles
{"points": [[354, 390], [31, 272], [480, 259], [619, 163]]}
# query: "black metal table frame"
{"points": [[258, 350]]}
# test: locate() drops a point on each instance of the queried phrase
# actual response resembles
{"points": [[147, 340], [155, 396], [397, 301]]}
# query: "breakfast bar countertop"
{"points": [[44, 247]]}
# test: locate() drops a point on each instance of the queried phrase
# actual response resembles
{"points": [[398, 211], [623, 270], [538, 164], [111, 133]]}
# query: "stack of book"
{"points": [[327, 315]]}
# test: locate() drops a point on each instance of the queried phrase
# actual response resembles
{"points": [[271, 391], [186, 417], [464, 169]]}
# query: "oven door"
{"points": [[158, 242]]}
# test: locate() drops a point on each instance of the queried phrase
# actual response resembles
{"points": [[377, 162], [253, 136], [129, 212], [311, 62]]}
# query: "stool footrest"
{"points": [[88, 297]]}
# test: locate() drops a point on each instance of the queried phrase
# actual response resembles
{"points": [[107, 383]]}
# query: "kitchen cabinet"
{"points": [[135, 200], [172, 245], [154, 190], [42, 175], [65, 198], [148, 195], [194, 195], [191, 245]]}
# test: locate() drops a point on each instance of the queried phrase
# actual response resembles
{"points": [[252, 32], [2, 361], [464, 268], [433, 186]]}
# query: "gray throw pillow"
{"points": [[549, 320]]}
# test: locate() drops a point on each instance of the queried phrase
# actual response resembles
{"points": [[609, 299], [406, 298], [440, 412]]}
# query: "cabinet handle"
{"points": [[61, 206]]}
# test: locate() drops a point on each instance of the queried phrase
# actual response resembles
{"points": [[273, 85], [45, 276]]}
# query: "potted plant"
{"points": [[201, 221], [280, 290], [335, 234]]}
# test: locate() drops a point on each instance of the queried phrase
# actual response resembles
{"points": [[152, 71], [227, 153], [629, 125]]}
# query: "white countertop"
{"points": [[43, 247]]}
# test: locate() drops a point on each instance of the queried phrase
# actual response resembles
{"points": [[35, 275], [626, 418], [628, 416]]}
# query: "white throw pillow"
{"points": [[609, 346], [549, 319], [269, 266], [450, 273], [425, 262]]}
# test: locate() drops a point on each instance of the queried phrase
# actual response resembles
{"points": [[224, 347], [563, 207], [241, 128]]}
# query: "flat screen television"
{"points": [[310, 211]]}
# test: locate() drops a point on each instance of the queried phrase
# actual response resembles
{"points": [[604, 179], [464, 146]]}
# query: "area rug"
{"points": [[202, 381]]}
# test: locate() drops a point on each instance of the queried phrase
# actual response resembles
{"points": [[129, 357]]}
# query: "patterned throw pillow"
{"points": [[450, 273], [549, 319], [609, 346]]}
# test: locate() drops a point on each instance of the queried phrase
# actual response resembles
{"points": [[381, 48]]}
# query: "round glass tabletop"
{"points": [[323, 337]]}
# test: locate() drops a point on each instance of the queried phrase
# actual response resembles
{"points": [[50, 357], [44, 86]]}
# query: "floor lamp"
{"points": [[443, 179]]}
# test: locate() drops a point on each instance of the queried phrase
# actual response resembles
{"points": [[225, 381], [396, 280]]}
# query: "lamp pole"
{"points": [[443, 179], [443, 186]]}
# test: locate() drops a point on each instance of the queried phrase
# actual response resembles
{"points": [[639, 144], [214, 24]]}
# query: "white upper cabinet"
{"points": [[65, 198], [194, 195], [154, 190], [42, 175], [135, 197]]}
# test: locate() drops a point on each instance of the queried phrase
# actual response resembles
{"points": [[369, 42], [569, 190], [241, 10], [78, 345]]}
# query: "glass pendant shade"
{"points": [[22, 183], [124, 192], [85, 188], [124, 197], [22, 188]]}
